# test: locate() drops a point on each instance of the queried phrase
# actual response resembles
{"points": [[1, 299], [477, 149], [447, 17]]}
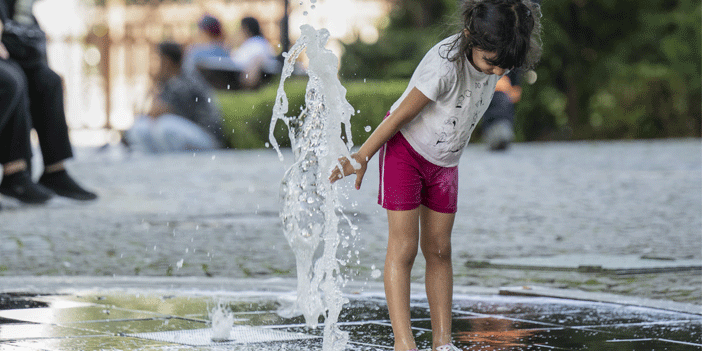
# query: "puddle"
{"points": [[179, 321], [18, 331]]}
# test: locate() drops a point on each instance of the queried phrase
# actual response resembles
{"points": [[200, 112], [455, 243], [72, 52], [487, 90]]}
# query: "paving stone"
{"points": [[620, 264]]}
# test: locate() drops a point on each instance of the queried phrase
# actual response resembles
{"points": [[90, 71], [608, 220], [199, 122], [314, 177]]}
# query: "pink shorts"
{"points": [[408, 180]]}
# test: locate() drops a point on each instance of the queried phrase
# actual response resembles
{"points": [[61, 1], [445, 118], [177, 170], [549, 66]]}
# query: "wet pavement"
{"points": [[151, 316], [140, 268]]}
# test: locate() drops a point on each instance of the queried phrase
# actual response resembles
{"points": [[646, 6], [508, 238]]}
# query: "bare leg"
{"points": [[403, 242], [13, 167], [436, 247], [58, 166]]}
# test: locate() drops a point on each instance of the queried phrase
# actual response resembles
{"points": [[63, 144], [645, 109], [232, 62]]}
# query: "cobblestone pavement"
{"points": [[216, 214]]}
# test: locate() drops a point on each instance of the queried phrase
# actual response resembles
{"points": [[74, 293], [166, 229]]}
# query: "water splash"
{"points": [[222, 321], [311, 208]]}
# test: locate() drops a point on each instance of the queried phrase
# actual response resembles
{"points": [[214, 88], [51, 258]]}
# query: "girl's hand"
{"points": [[350, 169], [408, 109]]}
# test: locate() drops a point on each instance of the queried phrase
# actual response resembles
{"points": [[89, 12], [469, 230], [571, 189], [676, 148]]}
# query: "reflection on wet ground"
{"points": [[118, 320]]}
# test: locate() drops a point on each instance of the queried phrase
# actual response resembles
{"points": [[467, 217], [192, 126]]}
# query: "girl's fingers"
{"points": [[359, 178], [345, 169], [335, 175]]}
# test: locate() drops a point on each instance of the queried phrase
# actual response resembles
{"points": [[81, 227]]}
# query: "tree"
{"points": [[618, 69], [414, 27], [610, 68]]}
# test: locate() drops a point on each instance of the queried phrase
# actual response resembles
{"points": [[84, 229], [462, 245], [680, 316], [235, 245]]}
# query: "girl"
{"points": [[446, 96]]}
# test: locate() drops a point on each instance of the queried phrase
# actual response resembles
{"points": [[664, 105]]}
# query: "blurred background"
{"points": [[611, 69]]}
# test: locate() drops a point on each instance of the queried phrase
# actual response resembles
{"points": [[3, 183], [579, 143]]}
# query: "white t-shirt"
{"points": [[442, 129], [255, 50]]}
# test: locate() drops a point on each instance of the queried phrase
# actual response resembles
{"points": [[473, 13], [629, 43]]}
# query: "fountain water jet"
{"points": [[311, 208]]}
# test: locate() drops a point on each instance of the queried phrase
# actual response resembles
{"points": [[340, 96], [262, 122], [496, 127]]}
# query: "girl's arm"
{"points": [[413, 103]]}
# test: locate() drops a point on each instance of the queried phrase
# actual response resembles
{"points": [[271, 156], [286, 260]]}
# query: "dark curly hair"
{"points": [[509, 28]]}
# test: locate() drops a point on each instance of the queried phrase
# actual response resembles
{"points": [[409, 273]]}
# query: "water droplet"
{"points": [[304, 13], [222, 322], [367, 128], [213, 157]]}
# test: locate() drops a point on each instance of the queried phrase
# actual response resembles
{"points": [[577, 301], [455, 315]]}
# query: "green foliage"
{"points": [[616, 69], [395, 55], [415, 26], [610, 68], [372, 100], [247, 114]]}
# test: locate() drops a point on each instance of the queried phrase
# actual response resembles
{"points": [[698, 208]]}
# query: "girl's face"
{"points": [[481, 62]]}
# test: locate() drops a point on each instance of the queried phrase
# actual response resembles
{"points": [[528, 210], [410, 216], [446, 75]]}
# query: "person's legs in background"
{"points": [[176, 133], [140, 136], [168, 133], [498, 122], [14, 137], [49, 120]]}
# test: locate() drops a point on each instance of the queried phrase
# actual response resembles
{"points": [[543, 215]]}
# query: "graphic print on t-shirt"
{"points": [[452, 135], [460, 97], [459, 100]]}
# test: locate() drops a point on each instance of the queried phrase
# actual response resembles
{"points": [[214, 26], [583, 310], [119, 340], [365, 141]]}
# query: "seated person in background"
{"points": [[39, 92], [255, 55], [498, 121], [183, 114], [14, 134], [209, 43]]}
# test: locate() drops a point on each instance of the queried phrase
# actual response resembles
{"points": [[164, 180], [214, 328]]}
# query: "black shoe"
{"points": [[62, 184], [20, 186]]}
